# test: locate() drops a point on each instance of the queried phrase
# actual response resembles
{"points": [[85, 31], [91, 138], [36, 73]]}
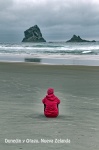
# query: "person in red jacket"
{"points": [[51, 103]]}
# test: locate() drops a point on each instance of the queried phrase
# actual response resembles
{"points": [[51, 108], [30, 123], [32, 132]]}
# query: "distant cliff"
{"points": [[78, 39], [33, 34]]}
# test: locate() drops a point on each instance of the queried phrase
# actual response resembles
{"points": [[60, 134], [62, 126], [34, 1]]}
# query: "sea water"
{"points": [[86, 53]]}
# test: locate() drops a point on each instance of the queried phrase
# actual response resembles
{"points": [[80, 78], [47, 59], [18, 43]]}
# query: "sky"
{"points": [[58, 20]]}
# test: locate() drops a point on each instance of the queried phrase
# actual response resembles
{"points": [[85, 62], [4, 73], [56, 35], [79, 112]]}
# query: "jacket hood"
{"points": [[51, 97], [50, 91]]}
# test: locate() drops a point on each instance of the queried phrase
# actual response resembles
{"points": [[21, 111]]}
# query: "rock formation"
{"points": [[33, 34], [78, 39]]}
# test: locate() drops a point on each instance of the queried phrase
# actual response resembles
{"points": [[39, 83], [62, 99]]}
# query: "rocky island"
{"points": [[33, 34], [78, 39]]}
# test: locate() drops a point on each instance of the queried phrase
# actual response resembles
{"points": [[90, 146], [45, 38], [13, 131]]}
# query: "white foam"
{"points": [[85, 52]]}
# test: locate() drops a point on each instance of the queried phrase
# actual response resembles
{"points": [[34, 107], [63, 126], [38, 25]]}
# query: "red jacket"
{"points": [[51, 104]]}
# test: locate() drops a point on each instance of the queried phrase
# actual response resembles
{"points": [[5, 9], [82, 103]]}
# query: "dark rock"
{"points": [[93, 41], [78, 39], [32, 60], [33, 34]]}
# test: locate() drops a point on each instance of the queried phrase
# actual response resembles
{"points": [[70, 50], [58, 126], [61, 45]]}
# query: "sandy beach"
{"points": [[22, 123]]}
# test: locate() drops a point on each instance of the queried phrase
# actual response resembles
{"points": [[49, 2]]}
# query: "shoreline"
{"points": [[40, 67], [46, 64], [79, 60]]}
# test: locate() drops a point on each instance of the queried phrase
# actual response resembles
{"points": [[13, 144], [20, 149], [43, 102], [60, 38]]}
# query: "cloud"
{"points": [[55, 17]]}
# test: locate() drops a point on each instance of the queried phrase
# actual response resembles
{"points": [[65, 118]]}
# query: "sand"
{"points": [[22, 87]]}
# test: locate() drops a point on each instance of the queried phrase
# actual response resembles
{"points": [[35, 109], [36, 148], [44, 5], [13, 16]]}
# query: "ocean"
{"points": [[86, 53]]}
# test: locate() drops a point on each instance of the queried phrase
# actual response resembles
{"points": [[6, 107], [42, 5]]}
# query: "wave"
{"points": [[51, 48]]}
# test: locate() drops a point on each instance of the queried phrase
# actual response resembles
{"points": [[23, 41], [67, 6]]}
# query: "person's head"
{"points": [[50, 91]]}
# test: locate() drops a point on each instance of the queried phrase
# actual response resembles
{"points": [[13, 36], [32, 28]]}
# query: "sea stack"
{"points": [[78, 39], [33, 34]]}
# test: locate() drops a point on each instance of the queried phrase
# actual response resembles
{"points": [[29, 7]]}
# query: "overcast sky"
{"points": [[57, 19]]}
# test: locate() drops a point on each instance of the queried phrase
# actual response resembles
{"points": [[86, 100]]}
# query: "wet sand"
{"points": [[22, 87]]}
